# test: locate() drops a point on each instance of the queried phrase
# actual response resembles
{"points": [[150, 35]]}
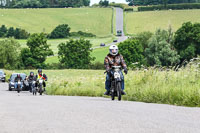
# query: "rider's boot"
{"points": [[107, 92], [123, 93]]}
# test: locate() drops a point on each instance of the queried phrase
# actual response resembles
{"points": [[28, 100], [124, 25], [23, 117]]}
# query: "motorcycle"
{"points": [[40, 86], [116, 79], [33, 88], [19, 83]]}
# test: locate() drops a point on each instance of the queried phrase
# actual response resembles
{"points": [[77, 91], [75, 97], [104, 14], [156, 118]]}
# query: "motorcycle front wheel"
{"points": [[18, 89], [119, 92], [40, 91]]}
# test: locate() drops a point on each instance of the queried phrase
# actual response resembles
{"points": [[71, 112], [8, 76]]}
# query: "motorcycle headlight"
{"points": [[12, 83], [116, 75]]}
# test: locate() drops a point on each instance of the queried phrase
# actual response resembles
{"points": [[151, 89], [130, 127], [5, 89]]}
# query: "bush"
{"points": [[97, 66], [160, 50], [129, 9], [187, 40], [61, 31], [123, 6], [171, 6], [53, 66], [132, 51], [9, 54], [143, 37], [81, 34]]}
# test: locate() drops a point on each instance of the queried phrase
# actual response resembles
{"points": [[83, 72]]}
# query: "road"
{"points": [[24, 113], [119, 26]]}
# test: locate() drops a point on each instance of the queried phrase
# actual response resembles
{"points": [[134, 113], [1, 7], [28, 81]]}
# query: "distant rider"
{"points": [[114, 59], [43, 76], [31, 78], [18, 78]]}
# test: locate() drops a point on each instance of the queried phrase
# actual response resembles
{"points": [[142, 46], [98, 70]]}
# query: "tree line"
{"points": [[163, 48], [60, 31], [17, 33], [43, 3]]}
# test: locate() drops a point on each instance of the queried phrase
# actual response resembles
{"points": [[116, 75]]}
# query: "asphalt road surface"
{"points": [[24, 113], [119, 20]]}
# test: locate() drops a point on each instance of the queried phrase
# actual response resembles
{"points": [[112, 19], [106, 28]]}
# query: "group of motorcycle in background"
{"points": [[114, 64], [33, 83]]}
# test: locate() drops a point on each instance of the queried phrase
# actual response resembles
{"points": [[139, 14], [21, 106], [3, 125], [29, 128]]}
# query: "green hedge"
{"points": [[123, 6], [129, 9], [171, 6]]}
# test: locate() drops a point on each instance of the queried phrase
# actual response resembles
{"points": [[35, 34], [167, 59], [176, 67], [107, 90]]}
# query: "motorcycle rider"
{"points": [[18, 78], [41, 75], [31, 78], [114, 59]]}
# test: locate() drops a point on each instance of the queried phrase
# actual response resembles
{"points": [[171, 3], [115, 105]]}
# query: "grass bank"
{"points": [[151, 86]]}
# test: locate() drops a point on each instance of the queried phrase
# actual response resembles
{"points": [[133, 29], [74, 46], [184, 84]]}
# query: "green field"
{"points": [[98, 53], [137, 22], [55, 42], [92, 20], [152, 85]]}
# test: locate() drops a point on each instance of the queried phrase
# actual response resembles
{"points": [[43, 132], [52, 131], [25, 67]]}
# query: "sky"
{"points": [[116, 1]]}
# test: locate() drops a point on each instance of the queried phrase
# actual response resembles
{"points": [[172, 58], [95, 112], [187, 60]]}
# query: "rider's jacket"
{"points": [[116, 60], [18, 79], [42, 76], [31, 78]]}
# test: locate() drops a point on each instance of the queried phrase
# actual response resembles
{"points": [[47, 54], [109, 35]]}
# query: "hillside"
{"points": [[150, 21], [92, 20]]}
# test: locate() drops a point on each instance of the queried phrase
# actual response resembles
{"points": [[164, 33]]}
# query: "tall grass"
{"points": [[153, 85]]}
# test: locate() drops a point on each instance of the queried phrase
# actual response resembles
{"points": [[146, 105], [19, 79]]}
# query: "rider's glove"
{"points": [[125, 70], [108, 70]]}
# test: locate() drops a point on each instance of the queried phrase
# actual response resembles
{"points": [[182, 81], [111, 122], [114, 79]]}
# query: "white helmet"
{"points": [[113, 50]]}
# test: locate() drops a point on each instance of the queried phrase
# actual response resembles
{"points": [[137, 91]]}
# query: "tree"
{"points": [[165, 3], [3, 31], [143, 38], [11, 32], [61, 31], [21, 34], [86, 2], [160, 51], [187, 40], [9, 54], [37, 51], [132, 51], [75, 54], [26, 57], [104, 3]]}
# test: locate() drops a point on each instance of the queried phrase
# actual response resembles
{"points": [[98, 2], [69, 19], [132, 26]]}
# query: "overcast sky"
{"points": [[116, 1]]}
